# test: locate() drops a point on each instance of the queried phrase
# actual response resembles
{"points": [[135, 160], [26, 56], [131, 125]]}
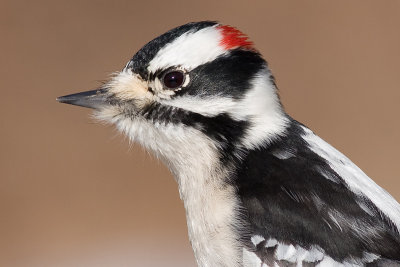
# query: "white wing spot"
{"points": [[289, 254], [257, 239], [271, 243]]}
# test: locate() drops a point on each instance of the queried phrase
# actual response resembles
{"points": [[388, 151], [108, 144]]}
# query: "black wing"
{"points": [[293, 197]]}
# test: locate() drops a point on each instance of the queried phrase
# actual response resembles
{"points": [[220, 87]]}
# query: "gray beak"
{"points": [[89, 99]]}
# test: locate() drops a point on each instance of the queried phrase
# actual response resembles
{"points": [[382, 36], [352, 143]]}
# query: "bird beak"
{"points": [[90, 99]]}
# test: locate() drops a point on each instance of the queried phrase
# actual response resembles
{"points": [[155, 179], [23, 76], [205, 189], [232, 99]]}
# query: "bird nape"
{"points": [[259, 188]]}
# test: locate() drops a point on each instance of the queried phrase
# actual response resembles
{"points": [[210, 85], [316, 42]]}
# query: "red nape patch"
{"points": [[233, 38]]}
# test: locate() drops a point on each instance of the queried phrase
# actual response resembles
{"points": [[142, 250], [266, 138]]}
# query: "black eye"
{"points": [[173, 79]]}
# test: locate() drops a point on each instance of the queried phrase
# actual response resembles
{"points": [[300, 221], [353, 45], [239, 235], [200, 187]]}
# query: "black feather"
{"points": [[290, 200]]}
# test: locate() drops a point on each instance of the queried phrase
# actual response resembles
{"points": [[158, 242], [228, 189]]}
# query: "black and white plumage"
{"points": [[259, 188]]}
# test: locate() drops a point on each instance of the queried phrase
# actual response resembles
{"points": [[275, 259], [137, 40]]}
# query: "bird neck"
{"points": [[210, 201], [212, 218], [202, 167]]}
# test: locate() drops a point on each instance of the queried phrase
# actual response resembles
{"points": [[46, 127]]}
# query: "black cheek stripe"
{"points": [[222, 129]]}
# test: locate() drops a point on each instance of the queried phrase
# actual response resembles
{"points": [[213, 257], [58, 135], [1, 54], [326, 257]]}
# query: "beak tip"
{"points": [[89, 99], [64, 99]]}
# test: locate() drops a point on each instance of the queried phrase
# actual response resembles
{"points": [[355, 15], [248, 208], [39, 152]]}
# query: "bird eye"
{"points": [[173, 79]]}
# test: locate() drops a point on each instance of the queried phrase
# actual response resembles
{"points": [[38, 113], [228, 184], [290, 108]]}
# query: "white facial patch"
{"points": [[208, 106], [260, 107], [189, 50]]}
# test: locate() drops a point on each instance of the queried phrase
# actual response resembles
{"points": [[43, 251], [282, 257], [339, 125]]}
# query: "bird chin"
{"points": [[117, 114], [107, 114]]}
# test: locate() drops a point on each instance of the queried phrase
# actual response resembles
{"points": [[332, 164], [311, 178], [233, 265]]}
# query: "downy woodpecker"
{"points": [[259, 188]]}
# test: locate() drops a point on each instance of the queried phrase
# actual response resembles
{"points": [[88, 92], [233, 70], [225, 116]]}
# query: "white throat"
{"points": [[210, 204]]}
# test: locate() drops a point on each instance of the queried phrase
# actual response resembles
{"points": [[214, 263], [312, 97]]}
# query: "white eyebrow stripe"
{"points": [[189, 50]]}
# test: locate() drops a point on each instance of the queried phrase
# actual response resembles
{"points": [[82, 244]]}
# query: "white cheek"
{"points": [[260, 106]]}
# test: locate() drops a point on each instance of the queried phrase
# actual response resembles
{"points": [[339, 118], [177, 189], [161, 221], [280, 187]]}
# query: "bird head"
{"points": [[198, 92]]}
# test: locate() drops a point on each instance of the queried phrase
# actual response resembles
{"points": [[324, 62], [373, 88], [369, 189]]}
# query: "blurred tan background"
{"points": [[72, 193]]}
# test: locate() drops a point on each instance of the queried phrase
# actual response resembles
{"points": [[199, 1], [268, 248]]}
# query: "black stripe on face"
{"points": [[140, 61], [222, 129], [228, 75]]}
